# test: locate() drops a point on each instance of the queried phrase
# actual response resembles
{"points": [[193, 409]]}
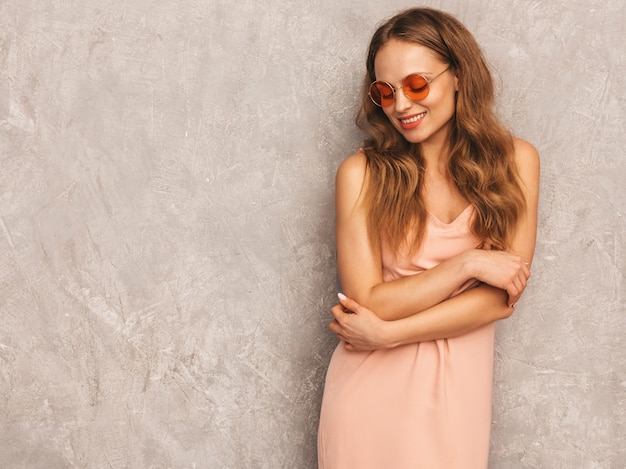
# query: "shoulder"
{"points": [[527, 160], [525, 153], [353, 165], [351, 179], [352, 170]]}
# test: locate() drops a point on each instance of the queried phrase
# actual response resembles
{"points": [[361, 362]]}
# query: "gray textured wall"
{"points": [[166, 240]]}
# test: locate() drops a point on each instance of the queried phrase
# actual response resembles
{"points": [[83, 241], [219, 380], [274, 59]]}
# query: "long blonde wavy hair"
{"points": [[481, 162]]}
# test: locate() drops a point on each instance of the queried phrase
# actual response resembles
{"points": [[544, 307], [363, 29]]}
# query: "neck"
{"points": [[436, 157]]}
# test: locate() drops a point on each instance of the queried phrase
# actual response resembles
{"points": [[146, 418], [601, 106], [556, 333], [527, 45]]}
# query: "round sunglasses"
{"points": [[415, 87]]}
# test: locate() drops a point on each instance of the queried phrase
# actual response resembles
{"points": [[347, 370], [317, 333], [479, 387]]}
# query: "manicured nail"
{"points": [[342, 296]]}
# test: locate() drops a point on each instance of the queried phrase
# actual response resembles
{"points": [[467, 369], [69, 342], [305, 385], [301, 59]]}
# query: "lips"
{"points": [[410, 122]]}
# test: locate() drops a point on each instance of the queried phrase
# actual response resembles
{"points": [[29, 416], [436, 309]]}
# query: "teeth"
{"points": [[413, 119]]}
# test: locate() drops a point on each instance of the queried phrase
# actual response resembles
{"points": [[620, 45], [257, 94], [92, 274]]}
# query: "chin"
{"points": [[413, 138]]}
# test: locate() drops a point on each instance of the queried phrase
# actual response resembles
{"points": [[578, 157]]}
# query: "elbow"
{"points": [[503, 309], [506, 312]]}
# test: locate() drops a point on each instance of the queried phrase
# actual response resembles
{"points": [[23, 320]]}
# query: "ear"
{"points": [[456, 82]]}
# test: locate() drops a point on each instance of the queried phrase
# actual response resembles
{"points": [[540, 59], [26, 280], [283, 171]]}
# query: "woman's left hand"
{"points": [[358, 327]]}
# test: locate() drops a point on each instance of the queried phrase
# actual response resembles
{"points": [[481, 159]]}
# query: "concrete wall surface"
{"points": [[166, 227]]}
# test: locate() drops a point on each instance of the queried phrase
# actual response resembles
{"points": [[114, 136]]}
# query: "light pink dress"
{"points": [[420, 406]]}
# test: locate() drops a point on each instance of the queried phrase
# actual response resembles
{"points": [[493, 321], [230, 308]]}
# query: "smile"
{"points": [[412, 120]]}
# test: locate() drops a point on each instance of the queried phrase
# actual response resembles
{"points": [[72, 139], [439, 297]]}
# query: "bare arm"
{"points": [[461, 314], [364, 330], [360, 266]]}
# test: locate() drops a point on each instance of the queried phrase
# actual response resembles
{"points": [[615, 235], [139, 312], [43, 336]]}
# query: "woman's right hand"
{"points": [[500, 269]]}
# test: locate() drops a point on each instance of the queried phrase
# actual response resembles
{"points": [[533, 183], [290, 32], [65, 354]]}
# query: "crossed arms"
{"points": [[419, 308]]}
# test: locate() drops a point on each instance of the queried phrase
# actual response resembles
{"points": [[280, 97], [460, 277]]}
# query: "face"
{"points": [[426, 121]]}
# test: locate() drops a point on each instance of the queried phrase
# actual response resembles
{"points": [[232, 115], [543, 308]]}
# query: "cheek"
{"points": [[389, 114], [450, 104], [445, 104]]}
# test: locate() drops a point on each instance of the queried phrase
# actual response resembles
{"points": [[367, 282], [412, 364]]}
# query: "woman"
{"points": [[435, 228]]}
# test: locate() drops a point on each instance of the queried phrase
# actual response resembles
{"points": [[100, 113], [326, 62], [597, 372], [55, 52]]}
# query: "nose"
{"points": [[401, 102]]}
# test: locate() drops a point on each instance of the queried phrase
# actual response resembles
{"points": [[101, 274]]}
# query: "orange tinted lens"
{"points": [[415, 87], [381, 93]]}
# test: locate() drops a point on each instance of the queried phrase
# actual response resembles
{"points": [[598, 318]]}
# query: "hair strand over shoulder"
{"points": [[481, 161]]}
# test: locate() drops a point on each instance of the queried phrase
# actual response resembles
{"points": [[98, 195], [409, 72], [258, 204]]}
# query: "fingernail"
{"points": [[342, 296]]}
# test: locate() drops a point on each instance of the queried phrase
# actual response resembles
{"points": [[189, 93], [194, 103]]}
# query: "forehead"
{"points": [[397, 59]]}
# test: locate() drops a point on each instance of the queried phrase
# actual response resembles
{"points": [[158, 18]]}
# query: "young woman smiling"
{"points": [[435, 228]]}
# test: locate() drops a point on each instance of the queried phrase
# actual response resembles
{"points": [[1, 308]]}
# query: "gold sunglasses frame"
{"points": [[393, 89]]}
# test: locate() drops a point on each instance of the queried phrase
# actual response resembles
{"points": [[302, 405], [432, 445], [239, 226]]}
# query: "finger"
{"points": [[337, 311], [527, 273], [348, 303], [340, 316], [512, 301], [523, 281], [513, 289], [339, 332]]}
